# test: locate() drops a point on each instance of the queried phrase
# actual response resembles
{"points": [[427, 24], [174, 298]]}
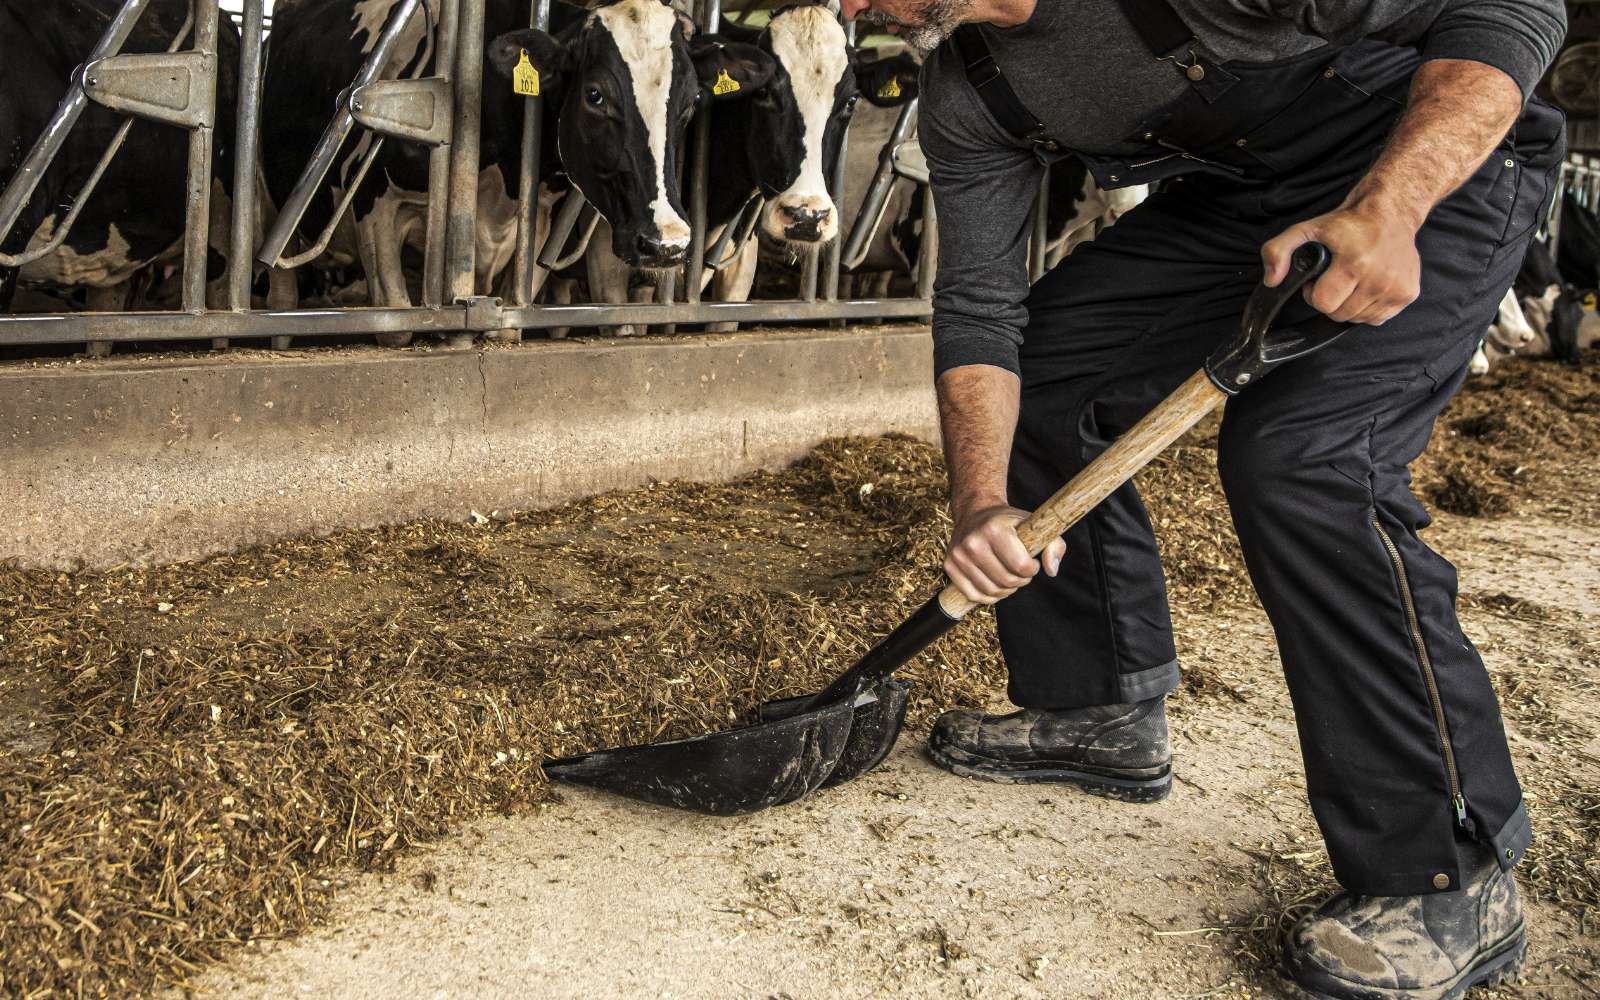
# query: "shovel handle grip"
{"points": [[1170, 420]]}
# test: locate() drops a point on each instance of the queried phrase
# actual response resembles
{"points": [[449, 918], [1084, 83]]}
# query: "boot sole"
{"points": [[1139, 790], [1499, 965]]}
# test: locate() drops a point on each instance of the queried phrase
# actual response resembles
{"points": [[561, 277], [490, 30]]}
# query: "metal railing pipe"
{"points": [[19, 191], [830, 253], [528, 180], [433, 256], [699, 171], [202, 140], [461, 235], [928, 251], [248, 134]]}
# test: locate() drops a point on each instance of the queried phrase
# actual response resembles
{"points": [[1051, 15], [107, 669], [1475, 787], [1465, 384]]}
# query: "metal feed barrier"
{"points": [[1580, 177], [442, 112]]}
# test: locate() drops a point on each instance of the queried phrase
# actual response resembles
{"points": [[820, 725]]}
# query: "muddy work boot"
{"points": [[1119, 751], [1412, 947]]}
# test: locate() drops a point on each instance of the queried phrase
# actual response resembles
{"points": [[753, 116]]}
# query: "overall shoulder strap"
{"points": [[977, 61], [1158, 24]]}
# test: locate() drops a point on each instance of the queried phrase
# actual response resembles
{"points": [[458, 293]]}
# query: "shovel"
{"points": [[802, 744]]}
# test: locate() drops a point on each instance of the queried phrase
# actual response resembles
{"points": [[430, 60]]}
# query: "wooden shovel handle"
{"points": [[1101, 477]]}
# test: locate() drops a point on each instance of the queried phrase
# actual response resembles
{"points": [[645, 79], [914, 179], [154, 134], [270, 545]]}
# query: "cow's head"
{"points": [[798, 117], [624, 87]]}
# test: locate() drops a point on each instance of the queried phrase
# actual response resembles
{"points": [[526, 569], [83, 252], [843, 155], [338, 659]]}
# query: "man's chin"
{"points": [[923, 37]]}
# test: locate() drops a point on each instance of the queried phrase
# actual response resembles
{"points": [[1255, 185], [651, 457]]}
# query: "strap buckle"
{"points": [[983, 71]]}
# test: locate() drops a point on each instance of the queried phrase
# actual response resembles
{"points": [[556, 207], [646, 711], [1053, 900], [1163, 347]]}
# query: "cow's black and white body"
{"points": [[619, 87], [780, 141], [136, 216], [1540, 316], [1080, 209]]}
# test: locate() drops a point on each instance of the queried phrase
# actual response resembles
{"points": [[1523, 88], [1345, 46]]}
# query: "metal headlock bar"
{"points": [[441, 112], [1580, 176]]}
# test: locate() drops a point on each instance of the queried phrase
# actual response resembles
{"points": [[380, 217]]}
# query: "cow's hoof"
{"points": [[394, 339], [282, 343], [506, 336], [98, 348], [722, 327]]}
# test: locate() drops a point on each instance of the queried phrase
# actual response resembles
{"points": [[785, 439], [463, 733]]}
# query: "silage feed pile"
{"points": [[222, 741]]}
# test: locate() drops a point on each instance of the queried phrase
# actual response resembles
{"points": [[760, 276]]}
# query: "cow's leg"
{"points": [[219, 242], [377, 242], [283, 295], [113, 298], [733, 283], [609, 276], [8, 288], [496, 242], [561, 293]]}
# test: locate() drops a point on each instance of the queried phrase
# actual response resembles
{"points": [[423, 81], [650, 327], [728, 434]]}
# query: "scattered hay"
{"points": [[1525, 429], [226, 737]]}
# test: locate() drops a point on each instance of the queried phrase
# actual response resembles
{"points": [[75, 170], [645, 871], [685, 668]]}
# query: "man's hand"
{"points": [[1375, 273], [987, 560], [1458, 112]]}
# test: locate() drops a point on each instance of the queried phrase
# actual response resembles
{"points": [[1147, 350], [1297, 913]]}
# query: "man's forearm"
{"points": [[977, 416], [1457, 114]]}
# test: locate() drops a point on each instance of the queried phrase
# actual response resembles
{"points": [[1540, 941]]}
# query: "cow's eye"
{"points": [[850, 105], [594, 97]]}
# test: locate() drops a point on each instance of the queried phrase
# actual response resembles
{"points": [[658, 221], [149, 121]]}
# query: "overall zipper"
{"points": [[1456, 798]]}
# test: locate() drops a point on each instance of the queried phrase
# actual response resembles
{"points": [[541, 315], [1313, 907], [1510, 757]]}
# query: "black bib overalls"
{"points": [[1404, 748]]}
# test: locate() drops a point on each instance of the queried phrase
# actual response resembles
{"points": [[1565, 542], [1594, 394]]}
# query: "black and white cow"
{"points": [[1080, 209], [619, 85], [136, 216], [1554, 308], [801, 85], [1580, 244]]}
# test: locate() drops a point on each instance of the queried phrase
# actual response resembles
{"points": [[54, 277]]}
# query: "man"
{"points": [[1400, 134]]}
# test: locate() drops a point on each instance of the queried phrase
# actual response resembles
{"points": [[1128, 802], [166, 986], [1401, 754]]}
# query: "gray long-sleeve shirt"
{"points": [[1080, 66]]}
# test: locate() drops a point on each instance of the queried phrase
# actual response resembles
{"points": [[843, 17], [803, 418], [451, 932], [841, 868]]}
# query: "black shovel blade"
{"points": [[724, 774], [874, 726]]}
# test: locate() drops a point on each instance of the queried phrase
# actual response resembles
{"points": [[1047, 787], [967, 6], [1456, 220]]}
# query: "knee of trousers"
{"points": [[1271, 476]]}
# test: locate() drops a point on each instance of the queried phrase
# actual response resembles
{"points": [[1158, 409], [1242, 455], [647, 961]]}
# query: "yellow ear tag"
{"points": [[1589, 301], [890, 90], [724, 84], [525, 79]]}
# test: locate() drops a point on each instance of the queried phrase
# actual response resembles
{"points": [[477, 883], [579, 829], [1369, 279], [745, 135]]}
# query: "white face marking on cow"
{"points": [[642, 30], [809, 42], [1511, 330]]}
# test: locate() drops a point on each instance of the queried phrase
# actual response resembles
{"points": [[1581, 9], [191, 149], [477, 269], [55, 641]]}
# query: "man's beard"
{"points": [[932, 23]]}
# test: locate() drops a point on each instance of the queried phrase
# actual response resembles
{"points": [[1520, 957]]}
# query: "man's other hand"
{"points": [[987, 560], [1376, 271]]}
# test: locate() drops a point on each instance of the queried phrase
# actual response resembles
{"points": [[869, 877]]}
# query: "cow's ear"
{"points": [[686, 26], [532, 60], [888, 82], [730, 70]]}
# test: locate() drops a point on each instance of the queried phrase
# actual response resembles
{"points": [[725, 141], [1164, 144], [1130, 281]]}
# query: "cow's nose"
{"points": [[655, 250], [800, 223], [801, 214]]}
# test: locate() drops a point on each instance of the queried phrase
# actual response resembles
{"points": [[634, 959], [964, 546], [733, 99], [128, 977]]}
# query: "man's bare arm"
{"points": [[978, 415], [1457, 114]]}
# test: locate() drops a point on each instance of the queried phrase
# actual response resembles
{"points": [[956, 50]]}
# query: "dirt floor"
{"points": [[200, 761]]}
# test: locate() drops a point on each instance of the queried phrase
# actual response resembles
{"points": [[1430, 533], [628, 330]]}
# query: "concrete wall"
{"points": [[157, 459]]}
